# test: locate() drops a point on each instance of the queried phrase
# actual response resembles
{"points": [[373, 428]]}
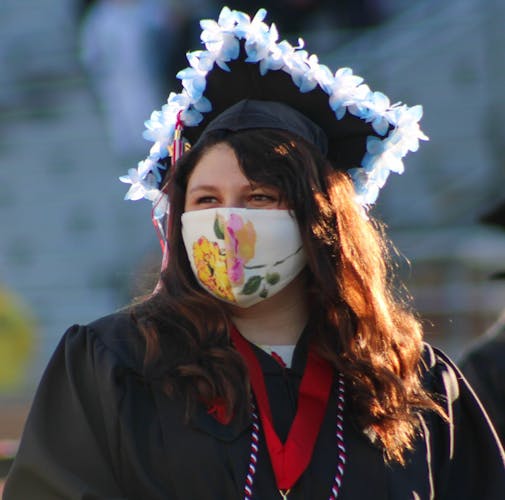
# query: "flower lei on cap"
{"points": [[397, 124]]}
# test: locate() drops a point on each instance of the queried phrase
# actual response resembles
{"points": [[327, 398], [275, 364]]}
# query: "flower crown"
{"points": [[396, 125]]}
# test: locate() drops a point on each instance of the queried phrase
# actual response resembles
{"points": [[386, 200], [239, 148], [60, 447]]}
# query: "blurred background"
{"points": [[78, 79]]}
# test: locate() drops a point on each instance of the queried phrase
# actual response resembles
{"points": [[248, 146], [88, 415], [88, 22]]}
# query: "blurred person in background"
{"points": [[298, 16], [483, 363], [126, 49], [276, 358], [324, 24]]}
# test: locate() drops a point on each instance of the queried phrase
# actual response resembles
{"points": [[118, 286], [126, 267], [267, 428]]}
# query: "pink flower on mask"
{"points": [[240, 240]]}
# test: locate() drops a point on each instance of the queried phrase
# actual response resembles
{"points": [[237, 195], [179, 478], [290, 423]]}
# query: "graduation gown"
{"points": [[99, 429]]}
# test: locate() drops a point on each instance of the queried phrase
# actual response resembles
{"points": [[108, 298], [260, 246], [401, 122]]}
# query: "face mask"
{"points": [[241, 255]]}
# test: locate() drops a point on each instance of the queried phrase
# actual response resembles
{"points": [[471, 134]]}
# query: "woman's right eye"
{"points": [[203, 200]]}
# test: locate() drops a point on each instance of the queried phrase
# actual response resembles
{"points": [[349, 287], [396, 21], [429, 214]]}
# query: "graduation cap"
{"points": [[495, 217], [246, 78], [243, 98]]}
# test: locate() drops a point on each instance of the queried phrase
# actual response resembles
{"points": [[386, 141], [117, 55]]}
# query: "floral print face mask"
{"points": [[242, 255]]}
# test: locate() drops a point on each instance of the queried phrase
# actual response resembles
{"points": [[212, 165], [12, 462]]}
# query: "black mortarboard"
{"points": [[306, 114]]}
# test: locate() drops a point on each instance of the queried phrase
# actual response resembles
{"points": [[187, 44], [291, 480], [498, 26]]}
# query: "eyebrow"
{"points": [[202, 187], [212, 187]]}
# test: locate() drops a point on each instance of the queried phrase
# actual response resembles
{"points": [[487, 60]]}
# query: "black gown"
{"points": [[99, 429]]}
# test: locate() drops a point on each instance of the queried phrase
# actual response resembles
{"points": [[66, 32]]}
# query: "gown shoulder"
{"points": [[70, 437]]}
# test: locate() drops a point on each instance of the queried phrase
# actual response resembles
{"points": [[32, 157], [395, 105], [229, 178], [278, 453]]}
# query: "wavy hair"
{"points": [[359, 321]]}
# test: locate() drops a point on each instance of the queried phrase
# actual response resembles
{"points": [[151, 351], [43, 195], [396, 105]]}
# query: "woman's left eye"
{"points": [[263, 200], [263, 197]]}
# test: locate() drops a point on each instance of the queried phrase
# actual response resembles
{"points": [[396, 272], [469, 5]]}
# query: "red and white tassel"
{"points": [[178, 144]]}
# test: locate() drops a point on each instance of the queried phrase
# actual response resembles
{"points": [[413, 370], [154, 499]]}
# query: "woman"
{"points": [[274, 359]]}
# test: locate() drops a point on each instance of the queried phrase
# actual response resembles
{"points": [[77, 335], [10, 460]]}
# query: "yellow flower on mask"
{"points": [[211, 268]]}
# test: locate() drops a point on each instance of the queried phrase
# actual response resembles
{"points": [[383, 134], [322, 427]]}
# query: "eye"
{"points": [[201, 200], [264, 198], [204, 200]]}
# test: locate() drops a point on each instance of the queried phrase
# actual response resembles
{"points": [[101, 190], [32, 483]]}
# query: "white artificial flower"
{"points": [[356, 104], [150, 165], [409, 130], [194, 82], [259, 38], [219, 39], [141, 187], [157, 127], [366, 190], [191, 110], [191, 117], [375, 111], [343, 90], [279, 55], [381, 156], [296, 64], [309, 73]]}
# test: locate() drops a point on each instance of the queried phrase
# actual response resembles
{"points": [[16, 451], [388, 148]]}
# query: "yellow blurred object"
{"points": [[16, 340]]}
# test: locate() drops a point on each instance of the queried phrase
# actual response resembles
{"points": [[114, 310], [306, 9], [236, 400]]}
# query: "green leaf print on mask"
{"points": [[219, 227], [273, 278], [252, 285]]}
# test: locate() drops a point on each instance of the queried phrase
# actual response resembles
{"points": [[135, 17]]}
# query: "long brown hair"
{"points": [[358, 320]]}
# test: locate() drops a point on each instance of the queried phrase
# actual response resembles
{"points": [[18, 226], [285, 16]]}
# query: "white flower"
{"points": [[307, 73], [381, 156], [219, 39], [366, 190], [201, 60], [191, 110], [191, 117], [194, 82], [296, 64], [343, 90], [161, 126], [141, 187], [160, 129], [357, 103], [157, 127], [324, 77], [374, 111], [158, 151], [150, 165], [194, 78], [278, 55], [408, 133], [259, 38]]}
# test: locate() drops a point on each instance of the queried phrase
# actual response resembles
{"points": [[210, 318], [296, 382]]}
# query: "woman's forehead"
{"points": [[218, 165]]}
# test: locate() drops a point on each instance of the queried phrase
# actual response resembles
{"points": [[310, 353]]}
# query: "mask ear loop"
{"points": [[161, 207], [159, 218]]}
